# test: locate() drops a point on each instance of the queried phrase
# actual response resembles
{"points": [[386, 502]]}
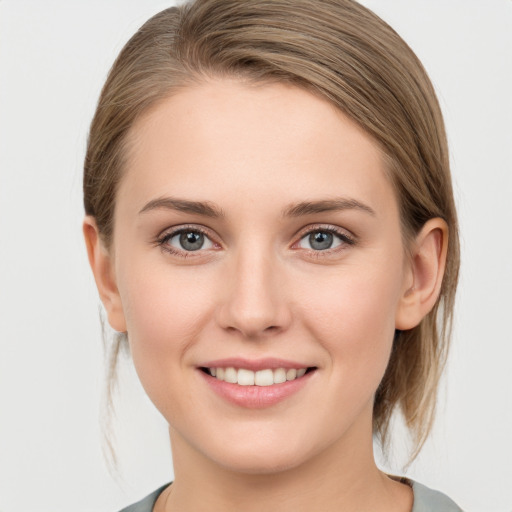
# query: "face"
{"points": [[258, 259]]}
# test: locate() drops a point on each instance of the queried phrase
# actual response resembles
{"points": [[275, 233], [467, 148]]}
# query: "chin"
{"points": [[256, 464], [263, 456]]}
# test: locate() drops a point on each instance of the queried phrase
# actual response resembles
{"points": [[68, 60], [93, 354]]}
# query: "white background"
{"points": [[54, 56]]}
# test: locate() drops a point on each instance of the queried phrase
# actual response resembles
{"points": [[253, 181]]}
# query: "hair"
{"points": [[340, 51]]}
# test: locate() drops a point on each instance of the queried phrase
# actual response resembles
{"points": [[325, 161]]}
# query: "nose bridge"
{"points": [[254, 303]]}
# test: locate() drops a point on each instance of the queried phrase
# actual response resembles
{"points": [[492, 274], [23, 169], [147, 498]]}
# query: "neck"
{"points": [[343, 477]]}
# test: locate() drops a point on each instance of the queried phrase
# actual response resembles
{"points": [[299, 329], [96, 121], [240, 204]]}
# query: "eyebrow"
{"points": [[204, 208], [207, 209], [327, 205]]}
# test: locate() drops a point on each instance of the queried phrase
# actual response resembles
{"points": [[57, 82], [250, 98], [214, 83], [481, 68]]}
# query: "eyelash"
{"points": [[345, 239], [162, 240]]}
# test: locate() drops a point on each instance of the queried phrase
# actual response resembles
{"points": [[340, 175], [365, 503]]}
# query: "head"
{"points": [[342, 55]]}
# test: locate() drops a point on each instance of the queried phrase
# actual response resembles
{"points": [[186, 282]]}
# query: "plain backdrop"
{"points": [[54, 56]]}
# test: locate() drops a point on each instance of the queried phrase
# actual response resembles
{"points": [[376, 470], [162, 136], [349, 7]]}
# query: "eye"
{"points": [[187, 240], [323, 239]]}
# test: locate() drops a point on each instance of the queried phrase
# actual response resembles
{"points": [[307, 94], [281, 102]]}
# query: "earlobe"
{"points": [[103, 269], [424, 274]]}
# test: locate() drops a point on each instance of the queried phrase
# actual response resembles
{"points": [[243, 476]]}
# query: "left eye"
{"points": [[321, 240], [188, 240]]}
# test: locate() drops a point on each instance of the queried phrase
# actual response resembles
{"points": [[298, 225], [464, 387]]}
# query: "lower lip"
{"points": [[256, 397]]}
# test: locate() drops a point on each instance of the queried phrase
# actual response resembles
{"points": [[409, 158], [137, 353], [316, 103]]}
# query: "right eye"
{"points": [[185, 240]]}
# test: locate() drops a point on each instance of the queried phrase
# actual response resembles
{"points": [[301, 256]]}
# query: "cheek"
{"points": [[354, 319], [165, 312]]}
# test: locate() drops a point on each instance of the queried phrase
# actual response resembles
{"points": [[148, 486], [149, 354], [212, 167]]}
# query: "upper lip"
{"points": [[254, 364]]}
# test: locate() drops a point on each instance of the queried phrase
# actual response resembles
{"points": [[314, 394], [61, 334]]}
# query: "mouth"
{"points": [[264, 377], [256, 383]]}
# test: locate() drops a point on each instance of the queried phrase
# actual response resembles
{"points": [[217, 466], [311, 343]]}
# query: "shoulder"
{"points": [[146, 504], [425, 500], [428, 500]]}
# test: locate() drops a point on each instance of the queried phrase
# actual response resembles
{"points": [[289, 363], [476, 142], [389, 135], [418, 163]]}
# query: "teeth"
{"points": [[230, 375], [264, 378], [279, 376], [244, 377], [291, 374]]}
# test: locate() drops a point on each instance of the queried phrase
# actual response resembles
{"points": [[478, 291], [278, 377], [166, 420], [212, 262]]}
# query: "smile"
{"points": [[265, 377], [256, 384]]}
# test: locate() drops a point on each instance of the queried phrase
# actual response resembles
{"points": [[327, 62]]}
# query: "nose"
{"points": [[253, 297]]}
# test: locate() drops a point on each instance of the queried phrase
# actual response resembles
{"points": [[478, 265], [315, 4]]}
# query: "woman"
{"points": [[270, 220]]}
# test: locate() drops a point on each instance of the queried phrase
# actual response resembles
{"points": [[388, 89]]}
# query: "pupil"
{"points": [[191, 241], [321, 240]]}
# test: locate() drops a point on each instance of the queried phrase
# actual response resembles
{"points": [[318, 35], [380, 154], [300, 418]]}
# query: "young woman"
{"points": [[270, 221]]}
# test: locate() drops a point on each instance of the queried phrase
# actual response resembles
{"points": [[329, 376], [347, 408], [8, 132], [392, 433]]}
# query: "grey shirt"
{"points": [[425, 500]]}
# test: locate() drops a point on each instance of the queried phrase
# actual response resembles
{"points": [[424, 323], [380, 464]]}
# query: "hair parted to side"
{"points": [[336, 49]]}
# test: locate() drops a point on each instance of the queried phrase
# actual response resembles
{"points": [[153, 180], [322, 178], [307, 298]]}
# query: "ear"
{"points": [[424, 275], [102, 266]]}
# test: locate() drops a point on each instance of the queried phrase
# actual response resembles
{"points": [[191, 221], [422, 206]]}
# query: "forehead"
{"points": [[272, 140]]}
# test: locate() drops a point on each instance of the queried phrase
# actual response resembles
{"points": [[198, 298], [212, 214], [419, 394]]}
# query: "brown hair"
{"points": [[343, 52]]}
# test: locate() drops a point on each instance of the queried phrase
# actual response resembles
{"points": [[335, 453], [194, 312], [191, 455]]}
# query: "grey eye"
{"points": [[320, 240], [190, 241]]}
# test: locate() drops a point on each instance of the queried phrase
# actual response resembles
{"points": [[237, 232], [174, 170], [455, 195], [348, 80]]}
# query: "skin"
{"points": [[259, 289]]}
